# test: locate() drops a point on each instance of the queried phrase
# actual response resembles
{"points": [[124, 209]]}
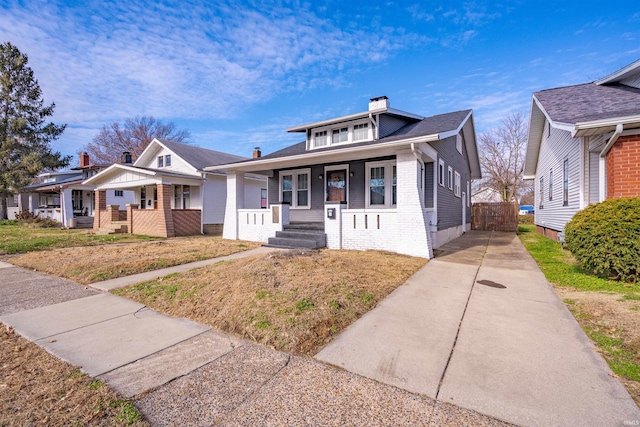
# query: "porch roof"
{"points": [[119, 176]]}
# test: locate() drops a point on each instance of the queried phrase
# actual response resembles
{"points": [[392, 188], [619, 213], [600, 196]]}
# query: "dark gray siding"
{"points": [[273, 188], [390, 124], [428, 185], [356, 185], [450, 206]]}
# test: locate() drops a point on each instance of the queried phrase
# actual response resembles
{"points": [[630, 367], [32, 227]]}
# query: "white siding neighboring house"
{"points": [[173, 194], [378, 179], [63, 197], [581, 146]]}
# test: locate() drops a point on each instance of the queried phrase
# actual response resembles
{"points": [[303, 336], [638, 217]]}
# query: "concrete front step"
{"points": [[305, 226], [286, 242]]}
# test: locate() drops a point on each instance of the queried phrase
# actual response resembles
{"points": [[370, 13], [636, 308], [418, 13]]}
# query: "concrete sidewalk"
{"points": [[480, 327]]}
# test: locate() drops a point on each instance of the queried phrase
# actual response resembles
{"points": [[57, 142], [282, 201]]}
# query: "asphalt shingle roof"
{"points": [[589, 101], [201, 157], [427, 126]]}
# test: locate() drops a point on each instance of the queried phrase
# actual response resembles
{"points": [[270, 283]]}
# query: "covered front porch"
{"points": [[382, 200], [165, 204]]}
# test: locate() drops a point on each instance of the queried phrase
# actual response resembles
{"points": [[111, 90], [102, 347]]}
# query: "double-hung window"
{"points": [[160, 161], [456, 185], [182, 197], [295, 188], [541, 190], [565, 183], [441, 172], [361, 132], [551, 185], [321, 138], [450, 177], [381, 184], [340, 135], [167, 160]]}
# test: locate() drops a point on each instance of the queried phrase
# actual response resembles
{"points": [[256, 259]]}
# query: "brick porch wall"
{"points": [[186, 222], [148, 222], [623, 171], [548, 232]]}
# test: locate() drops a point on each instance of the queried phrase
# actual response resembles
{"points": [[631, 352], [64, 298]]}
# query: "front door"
{"points": [[337, 186]]}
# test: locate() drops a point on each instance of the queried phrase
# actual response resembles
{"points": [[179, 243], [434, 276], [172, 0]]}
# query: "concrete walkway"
{"points": [[480, 327], [179, 372]]}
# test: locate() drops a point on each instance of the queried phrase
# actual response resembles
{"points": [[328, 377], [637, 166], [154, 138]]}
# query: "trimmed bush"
{"points": [[605, 239]]}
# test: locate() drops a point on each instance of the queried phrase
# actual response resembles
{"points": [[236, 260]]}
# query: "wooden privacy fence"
{"points": [[498, 216]]}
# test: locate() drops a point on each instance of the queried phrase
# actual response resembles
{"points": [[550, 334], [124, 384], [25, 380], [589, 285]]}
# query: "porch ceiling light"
{"points": [[320, 177]]}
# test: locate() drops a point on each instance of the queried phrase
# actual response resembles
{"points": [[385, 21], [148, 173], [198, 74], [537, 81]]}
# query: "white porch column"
{"points": [[235, 201], [414, 237], [67, 206]]}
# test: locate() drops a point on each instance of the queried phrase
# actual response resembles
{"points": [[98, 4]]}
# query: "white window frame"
{"points": [[334, 168], [167, 160], [456, 184], [468, 195], [179, 188], [450, 178], [337, 126], [388, 183], [294, 186], [160, 161], [459, 143], [551, 184], [441, 172]]}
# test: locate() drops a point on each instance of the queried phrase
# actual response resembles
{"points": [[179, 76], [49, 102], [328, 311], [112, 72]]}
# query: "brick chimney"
{"points": [[126, 158], [257, 153], [84, 159], [381, 102]]}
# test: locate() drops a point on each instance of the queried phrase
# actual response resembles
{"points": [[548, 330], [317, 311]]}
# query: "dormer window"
{"points": [[160, 161], [167, 160], [321, 138], [340, 135], [361, 131]]}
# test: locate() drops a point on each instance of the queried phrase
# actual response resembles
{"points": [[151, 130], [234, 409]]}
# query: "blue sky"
{"points": [[236, 74]]}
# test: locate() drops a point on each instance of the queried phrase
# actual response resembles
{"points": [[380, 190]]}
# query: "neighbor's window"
{"points": [[181, 196], [541, 195], [441, 172], [119, 193], [456, 185], [450, 177], [321, 138], [459, 143], [360, 131], [565, 183], [551, 185], [167, 160], [295, 188], [339, 135], [468, 195], [160, 161], [382, 184]]}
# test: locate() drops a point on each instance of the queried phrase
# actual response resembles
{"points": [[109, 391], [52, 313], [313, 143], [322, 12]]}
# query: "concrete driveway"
{"points": [[480, 327]]}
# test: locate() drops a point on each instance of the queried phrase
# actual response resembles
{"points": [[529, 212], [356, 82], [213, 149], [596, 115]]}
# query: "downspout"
{"points": [[603, 160], [419, 159], [204, 182]]}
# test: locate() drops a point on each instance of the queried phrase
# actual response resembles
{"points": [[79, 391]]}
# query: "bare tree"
{"points": [[502, 153], [133, 136]]}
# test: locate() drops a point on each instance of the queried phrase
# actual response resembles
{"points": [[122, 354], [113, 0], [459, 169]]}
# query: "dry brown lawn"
{"points": [[38, 389], [294, 301], [614, 324], [96, 263]]}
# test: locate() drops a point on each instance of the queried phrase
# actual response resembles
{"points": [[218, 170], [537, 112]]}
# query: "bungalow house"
{"points": [[63, 197], [380, 179], [583, 146], [172, 193]]}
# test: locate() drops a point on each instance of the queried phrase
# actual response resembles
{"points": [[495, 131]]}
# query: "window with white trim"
{"points": [[541, 195], [167, 160], [450, 177], [550, 184], [160, 161], [361, 132], [468, 195], [181, 196], [456, 184], [459, 143], [295, 188], [263, 198], [565, 183], [321, 138], [381, 184], [441, 172], [339, 135]]}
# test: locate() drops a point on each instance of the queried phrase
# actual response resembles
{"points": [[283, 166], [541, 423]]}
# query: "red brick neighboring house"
{"points": [[584, 146]]}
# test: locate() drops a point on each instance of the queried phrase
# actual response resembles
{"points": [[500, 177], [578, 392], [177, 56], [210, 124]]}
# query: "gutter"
{"points": [[612, 140]]}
